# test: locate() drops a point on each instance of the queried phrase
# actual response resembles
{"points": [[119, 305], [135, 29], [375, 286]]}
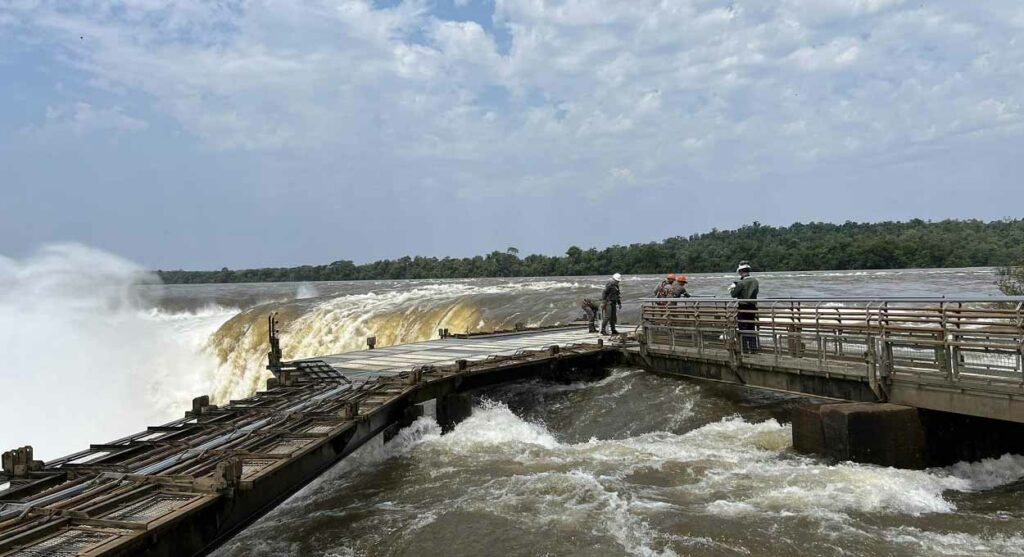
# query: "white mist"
{"points": [[82, 361]]}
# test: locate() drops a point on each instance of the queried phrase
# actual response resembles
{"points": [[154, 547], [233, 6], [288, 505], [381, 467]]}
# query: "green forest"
{"points": [[812, 246]]}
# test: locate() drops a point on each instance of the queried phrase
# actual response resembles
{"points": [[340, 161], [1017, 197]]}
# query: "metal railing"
{"points": [[882, 339]]}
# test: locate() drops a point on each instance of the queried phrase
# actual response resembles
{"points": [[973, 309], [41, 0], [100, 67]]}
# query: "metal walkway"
{"points": [[184, 487], [964, 356], [369, 364]]}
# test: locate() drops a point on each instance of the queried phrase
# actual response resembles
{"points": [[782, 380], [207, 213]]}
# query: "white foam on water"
{"points": [[988, 473], [746, 467], [955, 543], [754, 473], [372, 453], [568, 499], [779, 483], [741, 469], [494, 426]]}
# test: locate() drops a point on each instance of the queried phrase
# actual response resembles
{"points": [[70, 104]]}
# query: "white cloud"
{"points": [[79, 119], [586, 89]]}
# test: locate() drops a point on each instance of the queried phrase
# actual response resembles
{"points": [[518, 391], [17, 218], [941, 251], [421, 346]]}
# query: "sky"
{"points": [[199, 134]]}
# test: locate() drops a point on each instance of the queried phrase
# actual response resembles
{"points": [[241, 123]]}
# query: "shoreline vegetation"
{"points": [[799, 247]]}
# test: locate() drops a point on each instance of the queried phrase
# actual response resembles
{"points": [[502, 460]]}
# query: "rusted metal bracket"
{"points": [[17, 463], [273, 335]]}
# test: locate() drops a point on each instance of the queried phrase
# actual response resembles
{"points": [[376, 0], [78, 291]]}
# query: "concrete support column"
{"points": [[410, 415], [901, 436], [452, 409], [865, 432]]}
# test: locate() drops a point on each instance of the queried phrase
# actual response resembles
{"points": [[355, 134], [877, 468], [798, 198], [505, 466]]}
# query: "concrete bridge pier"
{"points": [[410, 415], [865, 432], [900, 436], [452, 409]]}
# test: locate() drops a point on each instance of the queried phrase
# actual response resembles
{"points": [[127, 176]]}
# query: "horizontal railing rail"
{"points": [[836, 299]]}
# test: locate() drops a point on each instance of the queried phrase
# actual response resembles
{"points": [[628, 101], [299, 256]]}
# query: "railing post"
{"points": [[645, 330], [952, 338], [839, 332], [888, 368], [1020, 340], [942, 355], [733, 338], [817, 335], [871, 359], [776, 337], [733, 344]]}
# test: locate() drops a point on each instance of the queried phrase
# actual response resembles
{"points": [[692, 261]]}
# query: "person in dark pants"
{"points": [[611, 302], [590, 308], [746, 288]]}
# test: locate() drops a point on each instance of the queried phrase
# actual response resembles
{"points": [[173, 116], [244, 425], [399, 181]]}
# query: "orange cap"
{"points": [[670, 276], [681, 278]]}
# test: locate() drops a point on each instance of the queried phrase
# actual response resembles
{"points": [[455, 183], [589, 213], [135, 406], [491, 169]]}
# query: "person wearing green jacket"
{"points": [[746, 289], [611, 302], [590, 309]]}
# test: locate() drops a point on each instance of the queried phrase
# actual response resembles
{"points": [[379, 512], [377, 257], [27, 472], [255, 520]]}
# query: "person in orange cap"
{"points": [[663, 290], [679, 289]]}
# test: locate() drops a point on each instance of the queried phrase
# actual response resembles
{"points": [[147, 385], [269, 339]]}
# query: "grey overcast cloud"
{"points": [[200, 134]]}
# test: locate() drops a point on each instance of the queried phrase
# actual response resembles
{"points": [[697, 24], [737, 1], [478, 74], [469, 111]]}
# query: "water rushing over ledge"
{"points": [[630, 465]]}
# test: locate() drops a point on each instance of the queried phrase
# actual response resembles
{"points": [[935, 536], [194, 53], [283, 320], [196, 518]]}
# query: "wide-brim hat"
{"points": [[617, 277]]}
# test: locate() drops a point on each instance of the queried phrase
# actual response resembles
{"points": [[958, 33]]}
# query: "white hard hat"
{"points": [[616, 277]]}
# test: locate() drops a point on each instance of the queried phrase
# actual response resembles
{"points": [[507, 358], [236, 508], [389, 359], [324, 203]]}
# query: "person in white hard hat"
{"points": [[611, 302], [746, 288]]}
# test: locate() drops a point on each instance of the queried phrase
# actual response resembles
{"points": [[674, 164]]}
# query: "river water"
{"points": [[633, 464]]}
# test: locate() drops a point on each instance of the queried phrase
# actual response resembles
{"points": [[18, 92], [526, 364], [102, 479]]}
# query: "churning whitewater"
{"points": [[633, 464]]}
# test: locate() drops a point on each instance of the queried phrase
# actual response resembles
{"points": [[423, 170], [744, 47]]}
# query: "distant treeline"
{"points": [[813, 246]]}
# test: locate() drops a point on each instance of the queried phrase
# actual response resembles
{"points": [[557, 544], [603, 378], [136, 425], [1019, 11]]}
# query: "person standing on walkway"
{"points": [[745, 289], [590, 308], [663, 289], [678, 290], [611, 302]]}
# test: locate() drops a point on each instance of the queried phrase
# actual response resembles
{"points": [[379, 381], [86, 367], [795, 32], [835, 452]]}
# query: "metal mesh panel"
{"points": [[989, 362], [289, 446], [319, 428], [150, 508], [253, 466], [67, 543]]}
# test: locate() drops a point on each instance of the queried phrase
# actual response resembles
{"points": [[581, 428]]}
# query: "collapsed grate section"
{"points": [[66, 543], [150, 508]]}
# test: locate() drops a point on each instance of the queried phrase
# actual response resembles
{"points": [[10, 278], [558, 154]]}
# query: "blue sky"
{"points": [[201, 134]]}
